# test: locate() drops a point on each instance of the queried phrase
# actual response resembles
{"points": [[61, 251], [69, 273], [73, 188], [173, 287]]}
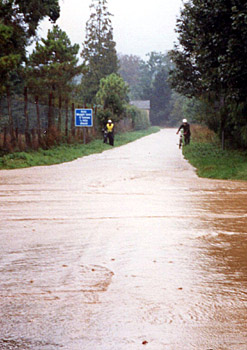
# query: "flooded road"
{"points": [[123, 250]]}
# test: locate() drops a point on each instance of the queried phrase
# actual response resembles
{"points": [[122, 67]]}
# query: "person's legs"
{"points": [[187, 139], [111, 139]]}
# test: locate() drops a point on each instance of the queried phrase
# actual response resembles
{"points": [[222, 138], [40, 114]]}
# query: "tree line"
{"points": [[147, 80], [51, 75], [54, 80], [202, 79], [211, 66]]}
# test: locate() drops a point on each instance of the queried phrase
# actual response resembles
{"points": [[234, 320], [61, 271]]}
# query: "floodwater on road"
{"points": [[123, 250]]}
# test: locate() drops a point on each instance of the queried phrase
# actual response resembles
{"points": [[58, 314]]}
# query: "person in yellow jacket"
{"points": [[110, 132]]}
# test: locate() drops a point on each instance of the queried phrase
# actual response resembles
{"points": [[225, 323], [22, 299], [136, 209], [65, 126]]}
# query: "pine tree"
{"points": [[53, 63], [52, 67], [19, 20], [99, 52]]}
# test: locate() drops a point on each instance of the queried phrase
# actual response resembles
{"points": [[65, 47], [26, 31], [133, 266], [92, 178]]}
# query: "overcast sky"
{"points": [[139, 27]]}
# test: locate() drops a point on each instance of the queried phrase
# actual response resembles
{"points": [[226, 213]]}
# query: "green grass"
{"points": [[66, 153], [212, 162]]}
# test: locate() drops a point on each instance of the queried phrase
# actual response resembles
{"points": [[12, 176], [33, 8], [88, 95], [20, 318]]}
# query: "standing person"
{"points": [[186, 129], [110, 132]]}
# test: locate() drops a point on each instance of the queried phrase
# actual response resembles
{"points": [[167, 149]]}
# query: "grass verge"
{"points": [[213, 162], [66, 153]]}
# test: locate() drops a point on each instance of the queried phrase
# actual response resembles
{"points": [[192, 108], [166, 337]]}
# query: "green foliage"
{"points": [[211, 64], [102, 116], [194, 110], [141, 121], [203, 42], [161, 98], [155, 63], [53, 64], [157, 88], [18, 23], [13, 40], [148, 81], [130, 72], [99, 52], [35, 10], [138, 117], [212, 162], [177, 112], [112, 96]]}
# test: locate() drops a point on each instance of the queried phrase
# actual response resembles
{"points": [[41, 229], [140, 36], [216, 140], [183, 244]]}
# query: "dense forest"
{"points": [[202, 79]]}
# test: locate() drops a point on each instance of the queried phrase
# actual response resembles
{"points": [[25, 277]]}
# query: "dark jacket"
{"points": [[186, 128]]}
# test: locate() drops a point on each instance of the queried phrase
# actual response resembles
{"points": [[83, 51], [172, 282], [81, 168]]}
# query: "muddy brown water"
{"points": [[127, 249]]}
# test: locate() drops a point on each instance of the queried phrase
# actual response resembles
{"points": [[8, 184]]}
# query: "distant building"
{"points": [[143, 105]]}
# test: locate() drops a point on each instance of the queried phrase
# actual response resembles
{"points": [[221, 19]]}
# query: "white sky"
{"points": [[139, 26]]}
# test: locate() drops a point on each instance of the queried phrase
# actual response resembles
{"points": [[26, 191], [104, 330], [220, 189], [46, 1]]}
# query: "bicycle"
{"points": [[181, 139]]}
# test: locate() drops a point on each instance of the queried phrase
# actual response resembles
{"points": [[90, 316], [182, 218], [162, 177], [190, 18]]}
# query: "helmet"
{"points": [[184, 120], [109, 121]]}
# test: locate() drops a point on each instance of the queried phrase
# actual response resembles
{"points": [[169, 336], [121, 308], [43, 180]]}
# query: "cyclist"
{"points": [[186, 129]]}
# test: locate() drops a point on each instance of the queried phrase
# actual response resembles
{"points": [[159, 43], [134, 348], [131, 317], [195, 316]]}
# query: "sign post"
{"points": [[84, 119]]}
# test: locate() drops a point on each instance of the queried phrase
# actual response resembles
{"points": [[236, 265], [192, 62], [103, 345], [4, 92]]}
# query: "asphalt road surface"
{"points": [[123, 250]]}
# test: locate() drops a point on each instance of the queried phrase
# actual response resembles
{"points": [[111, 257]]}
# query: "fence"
{"points": [[30, 122]]}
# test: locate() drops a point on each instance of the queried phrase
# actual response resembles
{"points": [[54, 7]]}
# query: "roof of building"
{"points": [[141, 104]]}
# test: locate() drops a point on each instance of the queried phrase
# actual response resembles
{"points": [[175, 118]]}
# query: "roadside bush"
{"points": [[201, 133], [213, 162], [102, 116], [139, 118]]}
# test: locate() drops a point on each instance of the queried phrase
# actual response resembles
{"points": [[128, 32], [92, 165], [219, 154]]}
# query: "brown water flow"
{"points": [[127, 249]]}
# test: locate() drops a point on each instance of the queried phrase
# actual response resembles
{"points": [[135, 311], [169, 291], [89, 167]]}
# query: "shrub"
{"points": [[139, 118], [102, 116], [203, 134]]}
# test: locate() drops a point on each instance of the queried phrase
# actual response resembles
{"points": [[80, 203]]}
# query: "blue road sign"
{"points": [[84, 117]]}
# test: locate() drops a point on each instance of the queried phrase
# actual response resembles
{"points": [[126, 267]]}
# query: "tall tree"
{"points": [[52, 66], [18, 23], [160, 98], [99, 52], [211, 62], [130, 70], [156, 62], [153, 86], [148, 81]]}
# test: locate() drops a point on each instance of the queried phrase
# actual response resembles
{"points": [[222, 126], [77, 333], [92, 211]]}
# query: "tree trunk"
{"points": [[27, 133], [223, 139], [94, 126], [59, 114], [11, 123], [222, 122], [66, 117], [50, 113], [73, 119], [17, 134], [33, 133], [5, 132], [38, 119]]}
